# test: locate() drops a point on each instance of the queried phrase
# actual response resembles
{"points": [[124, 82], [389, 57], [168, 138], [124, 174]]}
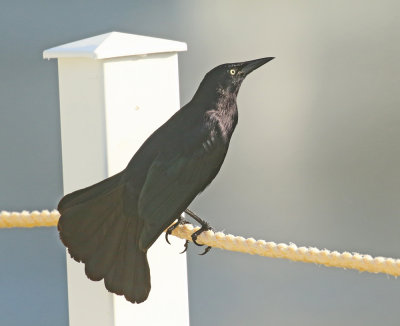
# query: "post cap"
{"points": [[114, 44]]}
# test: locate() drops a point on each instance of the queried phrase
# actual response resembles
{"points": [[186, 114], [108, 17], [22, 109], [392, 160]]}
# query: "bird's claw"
{"points": [[204, 227], [180, 221], [186, 246], [206, 250], [169, 231]]}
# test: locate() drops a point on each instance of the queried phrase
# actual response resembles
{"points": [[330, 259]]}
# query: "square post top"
{"points": [[112, 45]]}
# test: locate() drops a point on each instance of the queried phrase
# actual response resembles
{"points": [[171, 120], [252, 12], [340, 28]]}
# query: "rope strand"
{"points": [[27, 219], [363, 263]]}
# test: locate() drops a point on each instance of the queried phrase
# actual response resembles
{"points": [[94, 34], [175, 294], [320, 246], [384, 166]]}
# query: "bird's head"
{"points": [[228, 77]]}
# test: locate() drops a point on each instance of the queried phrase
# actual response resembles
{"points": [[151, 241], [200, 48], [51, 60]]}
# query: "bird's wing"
{"points": [[173, 180]]}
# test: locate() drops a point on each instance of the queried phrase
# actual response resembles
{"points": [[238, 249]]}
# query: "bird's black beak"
{"points": [[249, 66]]}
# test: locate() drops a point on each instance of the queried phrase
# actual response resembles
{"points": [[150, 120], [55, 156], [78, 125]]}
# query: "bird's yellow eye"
{"points": [[232, 71]]}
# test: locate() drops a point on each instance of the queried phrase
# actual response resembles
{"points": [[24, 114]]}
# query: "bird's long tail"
{"points": [[98, 231]]}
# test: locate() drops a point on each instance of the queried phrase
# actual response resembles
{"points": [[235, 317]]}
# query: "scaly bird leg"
{"points": [[204, 227]]}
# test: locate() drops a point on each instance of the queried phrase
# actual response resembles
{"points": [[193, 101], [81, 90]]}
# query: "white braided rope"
{"points": [[364, 263], [27, 219]]}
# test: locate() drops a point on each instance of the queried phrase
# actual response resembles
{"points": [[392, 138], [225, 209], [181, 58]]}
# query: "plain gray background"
{"points": [[315, 158]]}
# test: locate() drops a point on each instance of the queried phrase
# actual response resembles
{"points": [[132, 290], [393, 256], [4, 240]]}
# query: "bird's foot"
{"points": [[204, 227], [181, 221]]}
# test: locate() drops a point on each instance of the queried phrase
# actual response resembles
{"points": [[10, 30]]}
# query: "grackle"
{"points": [[110, 226]]}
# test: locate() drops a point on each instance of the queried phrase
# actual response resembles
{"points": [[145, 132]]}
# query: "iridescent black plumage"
{"points": [[111, 225]]}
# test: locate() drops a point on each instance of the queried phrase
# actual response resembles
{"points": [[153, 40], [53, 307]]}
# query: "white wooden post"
{"points": [[115, 90]]}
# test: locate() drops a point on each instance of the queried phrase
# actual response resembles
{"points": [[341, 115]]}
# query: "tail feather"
{"points": [[137, 279], [84, 217], [139, 287], [92, 192], [114, 278], [83, 241], [130, 273], [97, 230], [100, 262]]}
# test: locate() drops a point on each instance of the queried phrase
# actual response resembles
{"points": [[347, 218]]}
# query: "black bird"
{"points": [[110, 225]]}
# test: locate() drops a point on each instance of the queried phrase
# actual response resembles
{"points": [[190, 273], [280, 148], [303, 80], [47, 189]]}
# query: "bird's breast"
{"points": [[223, 120]]}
